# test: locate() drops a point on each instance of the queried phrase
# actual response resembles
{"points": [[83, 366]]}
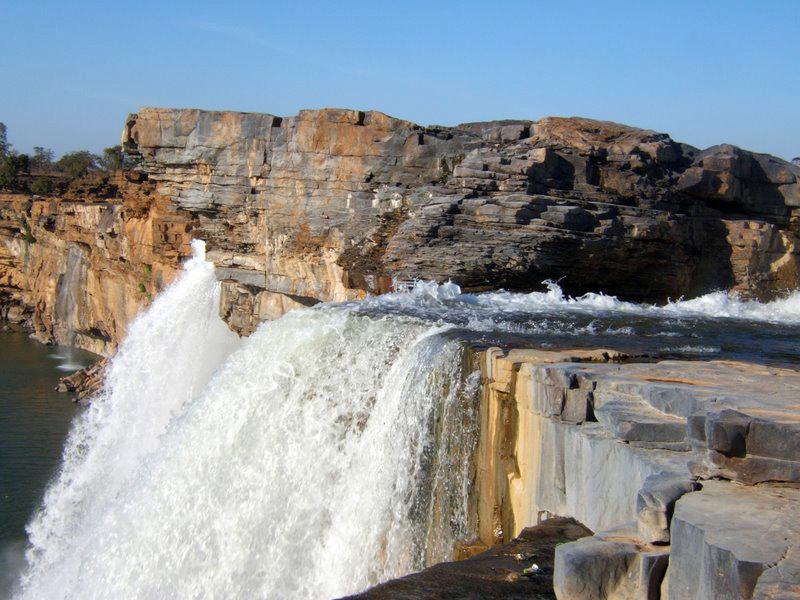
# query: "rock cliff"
{"points": [[686, 471], [77, 269], [657, 458], [333, 204]]}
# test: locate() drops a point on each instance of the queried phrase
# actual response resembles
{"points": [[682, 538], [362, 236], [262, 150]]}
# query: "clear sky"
{"points": [[704, 71]]}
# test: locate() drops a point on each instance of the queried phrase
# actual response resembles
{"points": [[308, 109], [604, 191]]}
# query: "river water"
{"points": [[327, 452], [34, 422]]}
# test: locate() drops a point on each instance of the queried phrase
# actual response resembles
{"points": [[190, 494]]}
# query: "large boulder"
{"points": [[756, 184]]}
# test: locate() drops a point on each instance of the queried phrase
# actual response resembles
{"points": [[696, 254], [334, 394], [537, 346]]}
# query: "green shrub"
{"points": [[41, 186]]}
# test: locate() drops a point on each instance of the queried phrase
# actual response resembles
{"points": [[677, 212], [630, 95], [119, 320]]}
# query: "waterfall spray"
{"points": [[323, 455], [67, 305]]}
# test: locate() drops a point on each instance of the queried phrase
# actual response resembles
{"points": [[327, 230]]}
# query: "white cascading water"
{"points": [[327, 453]]}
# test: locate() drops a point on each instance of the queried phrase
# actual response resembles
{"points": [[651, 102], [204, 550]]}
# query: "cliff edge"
{"points": [[333, 204]]}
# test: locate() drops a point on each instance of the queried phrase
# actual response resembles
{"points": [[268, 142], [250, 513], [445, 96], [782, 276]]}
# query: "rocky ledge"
{"points": [[76, 269], [333, 204], [687, 472], [608, 475]]}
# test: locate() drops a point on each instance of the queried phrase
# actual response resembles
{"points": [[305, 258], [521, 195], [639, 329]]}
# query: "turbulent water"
{"points": [[34, 422], [326, 452]]}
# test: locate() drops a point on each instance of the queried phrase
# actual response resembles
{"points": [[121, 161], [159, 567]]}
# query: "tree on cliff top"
{"points": [[12, 167], [77, 164], [114, 159], [42, 158], [4, 147]]}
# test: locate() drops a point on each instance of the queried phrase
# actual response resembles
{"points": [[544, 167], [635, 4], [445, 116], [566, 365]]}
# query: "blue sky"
{"points": [[705, 72]]}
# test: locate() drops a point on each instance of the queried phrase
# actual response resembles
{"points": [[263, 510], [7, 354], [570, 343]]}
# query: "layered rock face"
{"points": [[333, 204], [687, 471], [76, 270], [656, 458]]}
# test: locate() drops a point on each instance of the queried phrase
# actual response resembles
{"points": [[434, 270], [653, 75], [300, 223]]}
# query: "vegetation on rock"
{"points": [[41, 174]]}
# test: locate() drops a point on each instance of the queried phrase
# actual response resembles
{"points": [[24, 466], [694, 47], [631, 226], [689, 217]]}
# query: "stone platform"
{"points": [[688, 472]]}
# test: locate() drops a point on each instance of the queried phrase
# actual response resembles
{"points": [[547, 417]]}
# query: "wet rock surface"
{"points": [[496, 573]]}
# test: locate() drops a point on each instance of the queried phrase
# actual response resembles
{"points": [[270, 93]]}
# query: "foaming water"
{"points": [[327, 452], [716, 305], [168, 357], [718, 323]]}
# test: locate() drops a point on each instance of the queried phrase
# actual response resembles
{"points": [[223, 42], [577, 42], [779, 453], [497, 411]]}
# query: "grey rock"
{"points": [[331, 204], [726, 537], [592, 569], [655, 503], [609, 565], [640, 422]]}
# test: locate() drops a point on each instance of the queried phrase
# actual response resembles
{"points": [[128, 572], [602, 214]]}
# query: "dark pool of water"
{"points": [[34, 422]]}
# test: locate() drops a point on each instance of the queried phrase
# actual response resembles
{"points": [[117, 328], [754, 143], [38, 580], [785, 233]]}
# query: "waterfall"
{"points": [[67, 307], [327, 452]]}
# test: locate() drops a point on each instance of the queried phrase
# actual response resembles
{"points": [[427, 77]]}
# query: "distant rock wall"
{"points": [[77, 269], [333, 204], [336, 204]]}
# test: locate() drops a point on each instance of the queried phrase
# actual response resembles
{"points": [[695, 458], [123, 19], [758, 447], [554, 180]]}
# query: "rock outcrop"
{"points": [[86, 382], [77, 269], [687, 471], [333, 204], [656, 458]]}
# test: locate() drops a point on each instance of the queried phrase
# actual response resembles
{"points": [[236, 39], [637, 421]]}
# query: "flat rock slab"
{"points": [[743, 419], [496, 573], [735, 541], [610, 565]]}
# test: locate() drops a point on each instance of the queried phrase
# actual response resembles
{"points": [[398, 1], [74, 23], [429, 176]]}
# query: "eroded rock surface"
{"points": [[686, 470], [735, 541], [84, 383], [332, 204], [77, 269]]}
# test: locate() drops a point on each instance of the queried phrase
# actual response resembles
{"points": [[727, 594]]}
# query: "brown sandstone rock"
{"points": [[333, 204], [330, 204], [76, 270]]}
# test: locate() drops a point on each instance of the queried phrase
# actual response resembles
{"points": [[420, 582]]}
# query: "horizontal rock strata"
{"points": [[332, 204], [657, 458], [687, 472], [76, 270]]}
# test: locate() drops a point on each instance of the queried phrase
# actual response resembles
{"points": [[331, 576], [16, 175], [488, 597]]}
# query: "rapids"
{"points": [[325, 453]]}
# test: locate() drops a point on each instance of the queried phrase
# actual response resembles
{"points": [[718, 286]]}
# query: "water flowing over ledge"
{"points": [[715, 305], [331, 450], [271, 470]]}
